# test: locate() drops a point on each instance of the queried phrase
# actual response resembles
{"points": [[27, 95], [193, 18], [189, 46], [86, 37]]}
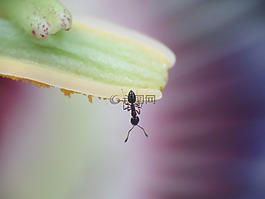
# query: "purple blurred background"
{"points": [[207, 134]]}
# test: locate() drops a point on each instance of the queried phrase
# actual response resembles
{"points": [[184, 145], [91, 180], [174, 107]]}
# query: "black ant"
{"points": [[131, 106]]}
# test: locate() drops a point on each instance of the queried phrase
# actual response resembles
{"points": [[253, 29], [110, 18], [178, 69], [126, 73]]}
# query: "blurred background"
{"points": [[206, 135]]}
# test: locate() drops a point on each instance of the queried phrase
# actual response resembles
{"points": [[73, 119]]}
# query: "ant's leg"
{"points": [[128, 134], [143, 130], [126, 106], [138, 106], [138, 111]]}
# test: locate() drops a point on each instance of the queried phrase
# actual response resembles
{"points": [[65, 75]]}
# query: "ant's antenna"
{"points": [[143, 130], [132, 129], [128, 134]]}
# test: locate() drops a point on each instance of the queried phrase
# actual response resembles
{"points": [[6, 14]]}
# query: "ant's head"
{"points": [[131, 97], [135, 120]]}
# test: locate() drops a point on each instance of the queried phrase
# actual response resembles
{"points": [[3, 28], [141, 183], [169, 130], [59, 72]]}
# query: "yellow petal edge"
{"points": [[71, 82]]}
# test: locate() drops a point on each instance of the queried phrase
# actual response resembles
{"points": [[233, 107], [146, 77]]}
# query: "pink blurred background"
{"points": [[207, 135]]}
